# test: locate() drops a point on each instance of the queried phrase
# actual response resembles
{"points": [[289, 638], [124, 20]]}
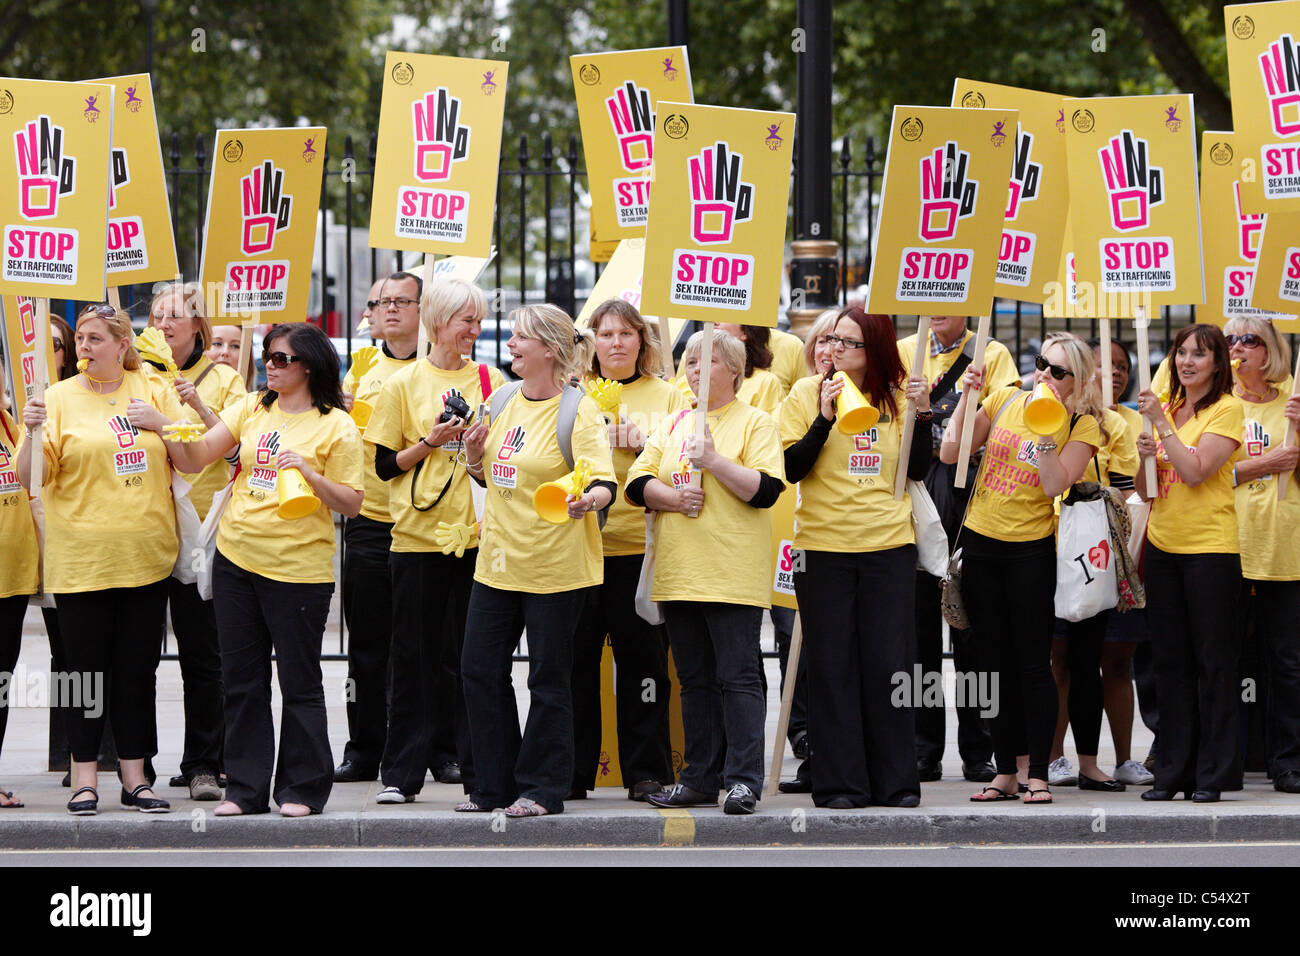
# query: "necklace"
{"points": [[1256, 397], [104, 381]]}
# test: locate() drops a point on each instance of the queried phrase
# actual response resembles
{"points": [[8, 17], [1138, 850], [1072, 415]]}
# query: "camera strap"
{"points": [[485, 390]]}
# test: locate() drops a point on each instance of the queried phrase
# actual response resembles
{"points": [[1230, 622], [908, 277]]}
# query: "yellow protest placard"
{"points": [[1134, 203], [1264, 71], [784, 555], [468, 268], [437, 154], [942, 209], [598, 251], [54, 187], [257, 264], [20, 351], [715, 241], [621, 279], [617, 95], [1277, 272], [141, 245], [1038, 200]]}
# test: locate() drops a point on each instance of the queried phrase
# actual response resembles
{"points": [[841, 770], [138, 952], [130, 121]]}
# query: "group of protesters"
{"points": [[661, 543]]}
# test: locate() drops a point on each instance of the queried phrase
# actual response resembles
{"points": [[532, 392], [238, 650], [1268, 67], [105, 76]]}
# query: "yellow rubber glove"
{"points": [[363, 360], [185, 432], [152, 346], [455, 538], [608, 396]]}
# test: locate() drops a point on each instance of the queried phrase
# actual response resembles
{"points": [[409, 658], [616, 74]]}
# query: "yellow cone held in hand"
{"points": [[152, 346], [455, 538], [853, 413], [608, 396], [549, 500], [361, 412], [1044, 414], [297, 500]]}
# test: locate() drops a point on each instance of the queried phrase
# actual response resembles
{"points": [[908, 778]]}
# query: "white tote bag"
{"points": [[1086, 580], [207, 540], [931, 539], [187, 530], [646, 609]]}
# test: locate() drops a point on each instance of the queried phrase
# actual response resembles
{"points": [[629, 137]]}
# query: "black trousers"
{"points": [[1085, 700], [1191, 599], [368, 612], [538, 764], [12, 610], [974, 741], [642, 688], [195, 625], [858, 636], [430, 600], [112, 647], [256, 615], [1276, 607], [1008, 587]]}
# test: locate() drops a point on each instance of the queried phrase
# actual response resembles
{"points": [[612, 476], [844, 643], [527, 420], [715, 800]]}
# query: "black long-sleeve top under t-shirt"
{"points": [[802, 455]]}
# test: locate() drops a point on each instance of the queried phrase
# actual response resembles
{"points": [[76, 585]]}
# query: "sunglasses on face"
{"points": [[1043, 365], [58, 345], [1250, 340], [372, 304], [279, 359]]}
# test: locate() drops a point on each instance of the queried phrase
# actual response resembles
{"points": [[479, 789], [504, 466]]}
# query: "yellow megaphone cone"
{"points": [[550, 499], [361, 412], [297, 500], [1044, 413], [853, 413]]}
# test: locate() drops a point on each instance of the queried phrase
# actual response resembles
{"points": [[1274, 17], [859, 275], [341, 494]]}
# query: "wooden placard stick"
{"points": [[909, 415], [115, 300], [1107, 386], [968, 423], [1284, 480], [422, 339], [1141, 323], [246, 354], [38, 394], [665, 347], [702, 396], [787, 702]]}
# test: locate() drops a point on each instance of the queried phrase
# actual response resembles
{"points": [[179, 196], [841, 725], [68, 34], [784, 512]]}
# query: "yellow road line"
{"points": [[679, 827]]}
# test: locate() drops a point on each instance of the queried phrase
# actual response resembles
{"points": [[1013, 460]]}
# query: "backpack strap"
{"points": [[501, 398], [565, 420], [945, 384], [204, 373]]}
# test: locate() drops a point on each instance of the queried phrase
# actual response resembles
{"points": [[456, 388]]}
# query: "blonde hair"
{"points": [[441, 299], [730, 348], [192, 307], [1278, 366], [119, 326], [825, 322], [647, 356], [1085, 399], [572, 347]]}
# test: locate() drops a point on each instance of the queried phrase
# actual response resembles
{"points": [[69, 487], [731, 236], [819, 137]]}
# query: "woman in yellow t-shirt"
{"points": [[103, 466], [819, 350], [418, 453], [1269, 532], [761, 388], [712, 573], [206, 389], [1192, 567], [855, 587], [273, 576], [530, 572], [627, 352], [1009, 550]]}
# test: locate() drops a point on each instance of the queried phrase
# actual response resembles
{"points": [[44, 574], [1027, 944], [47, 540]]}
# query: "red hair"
{"points": [[884, 372]]}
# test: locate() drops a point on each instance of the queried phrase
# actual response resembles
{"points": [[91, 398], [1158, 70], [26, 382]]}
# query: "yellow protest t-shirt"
{"points": [[846, 503], [1009, 501], [1135, 422], [1118, 455], [110, 521], [251, 535], [788, 363], [725, 554], [19, 566], [999, 367], [518, 549], [375, 505], [1203, 519], [1268, 529], [220, 389], [646, 402], [405, 411], [762, 390]]}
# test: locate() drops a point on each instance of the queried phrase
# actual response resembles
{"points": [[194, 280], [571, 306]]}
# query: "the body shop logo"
{"points": [[1280, 64], [1133, 183], [440, 139], [719, 198], [1249, 228], [266, 208], [947, 196], [634, 123], [268, 446], [123, 431], [1026, 175], [512, 442], [45, 175]]}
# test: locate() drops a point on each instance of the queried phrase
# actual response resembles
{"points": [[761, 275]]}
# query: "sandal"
{"points": [[469, 806], [1001, 795], [1029, 797], [84, 808], [8, 795], [524, 807]]}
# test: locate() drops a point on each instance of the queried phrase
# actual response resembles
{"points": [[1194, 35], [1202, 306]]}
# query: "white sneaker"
{"points": [[1061, 773], [1130, 771], [393, 795]]}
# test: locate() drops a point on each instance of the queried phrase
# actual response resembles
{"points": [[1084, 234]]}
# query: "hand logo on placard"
{"points": [[1135, 186], [1280, 64], [45, 174], [119, 174], [947, 195], [719, 198], [1026, 175], [266, 208], [440, 138], [634, 123], [1249, 227]]}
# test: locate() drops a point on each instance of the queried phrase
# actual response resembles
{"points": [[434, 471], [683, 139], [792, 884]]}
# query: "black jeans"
{"points": [[538, 765], [974, 741], [12, 610], [195, 624], [640, 656], [112, 645], [256, 615], [1008, 587], [1277, 628], [368, 612], [430, 600], [715, 649], [1191, 600], [1084, 700], [858, 636]]}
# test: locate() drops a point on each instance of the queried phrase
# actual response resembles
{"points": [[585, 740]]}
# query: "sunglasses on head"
{"points": [[104, 310], [279, 359], [1250, 340], [1043, 365]]}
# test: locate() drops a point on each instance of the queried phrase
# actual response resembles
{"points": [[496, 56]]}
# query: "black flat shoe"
{"points": [[350, 772], [639, 791], [680, 795], [84, 808], [979, 771], [1105, 786], [449, 773], [840, 803], [802, 782], [1288, 781], [930, 772], [1156, 794], [144, 804], [1205, 796]]}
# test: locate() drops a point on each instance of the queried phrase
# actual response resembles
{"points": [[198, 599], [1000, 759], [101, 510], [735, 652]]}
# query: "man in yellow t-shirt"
{"points": [[367, 538]]}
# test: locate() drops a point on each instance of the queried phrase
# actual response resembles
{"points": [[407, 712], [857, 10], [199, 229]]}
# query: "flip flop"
{"points": [[8, 795], [469, 806], [1001, 795], [524, 807], [1030, 794]]}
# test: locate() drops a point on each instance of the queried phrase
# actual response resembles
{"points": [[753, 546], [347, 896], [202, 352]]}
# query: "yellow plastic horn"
{"points": [[853, 413], [1044, 413], [361, 412], [297, 500], [550, 499]]}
